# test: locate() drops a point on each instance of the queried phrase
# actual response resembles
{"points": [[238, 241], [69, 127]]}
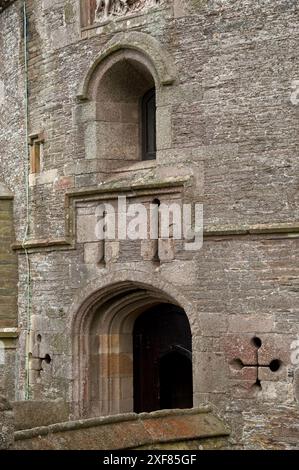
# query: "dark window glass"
{"points": [[149, 125]]}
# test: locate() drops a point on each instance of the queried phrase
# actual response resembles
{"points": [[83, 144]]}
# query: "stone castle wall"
{"points": [[231, 113]]}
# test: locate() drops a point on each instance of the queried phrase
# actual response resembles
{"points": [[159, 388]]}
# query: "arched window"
{"points": [[124, 116], [124, 131], [149, 125]]}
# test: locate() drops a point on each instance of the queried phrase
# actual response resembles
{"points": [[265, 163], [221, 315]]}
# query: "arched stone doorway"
{"points": [[104, 355]]}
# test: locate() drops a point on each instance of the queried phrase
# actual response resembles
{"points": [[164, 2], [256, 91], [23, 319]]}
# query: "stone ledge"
{"points": [[11, 333], [127, 431], [9, 337], [290, 231], [258, 229], [4, 191]]}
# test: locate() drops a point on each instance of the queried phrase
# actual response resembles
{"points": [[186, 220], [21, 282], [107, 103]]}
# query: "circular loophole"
{"points": [[157, 202], [257, 342], [275, 365], [47, 359]]}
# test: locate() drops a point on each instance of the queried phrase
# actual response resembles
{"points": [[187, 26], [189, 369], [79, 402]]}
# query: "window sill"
{"points": [[143, 165]]}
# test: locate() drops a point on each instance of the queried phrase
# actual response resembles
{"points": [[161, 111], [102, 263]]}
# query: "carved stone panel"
{"points": [[97, 11]]}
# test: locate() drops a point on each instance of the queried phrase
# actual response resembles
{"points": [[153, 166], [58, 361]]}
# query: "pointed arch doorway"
{"points": [[130, 338], [162, 352]]}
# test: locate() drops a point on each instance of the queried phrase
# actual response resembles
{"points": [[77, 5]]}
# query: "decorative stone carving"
{"points": [[106, 9]]}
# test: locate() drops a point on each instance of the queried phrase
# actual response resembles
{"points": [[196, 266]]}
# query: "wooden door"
{"points": [[162, 347]]}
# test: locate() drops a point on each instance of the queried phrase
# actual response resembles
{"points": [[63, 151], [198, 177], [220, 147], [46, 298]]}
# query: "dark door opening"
{"points": [[175, 381], [162, 346]]}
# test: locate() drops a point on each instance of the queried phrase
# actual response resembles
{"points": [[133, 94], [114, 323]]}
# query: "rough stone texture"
{"points": [[33, 414], [4, 4], [228, 113], [6, 425], [8, 262], [8, 293], [168, 430]]}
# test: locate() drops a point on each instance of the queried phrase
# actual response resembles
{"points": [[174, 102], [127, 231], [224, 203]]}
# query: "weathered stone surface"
{"points": [[227, 101], [8, 293], [296, 384], [4, 4], [264, 430], [8, 261], [174, 428], [33, 414], [6, 424]]}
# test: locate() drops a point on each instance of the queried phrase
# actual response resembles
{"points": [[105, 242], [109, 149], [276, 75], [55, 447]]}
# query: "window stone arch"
{"points": [[150, 49], [111, 94]]}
